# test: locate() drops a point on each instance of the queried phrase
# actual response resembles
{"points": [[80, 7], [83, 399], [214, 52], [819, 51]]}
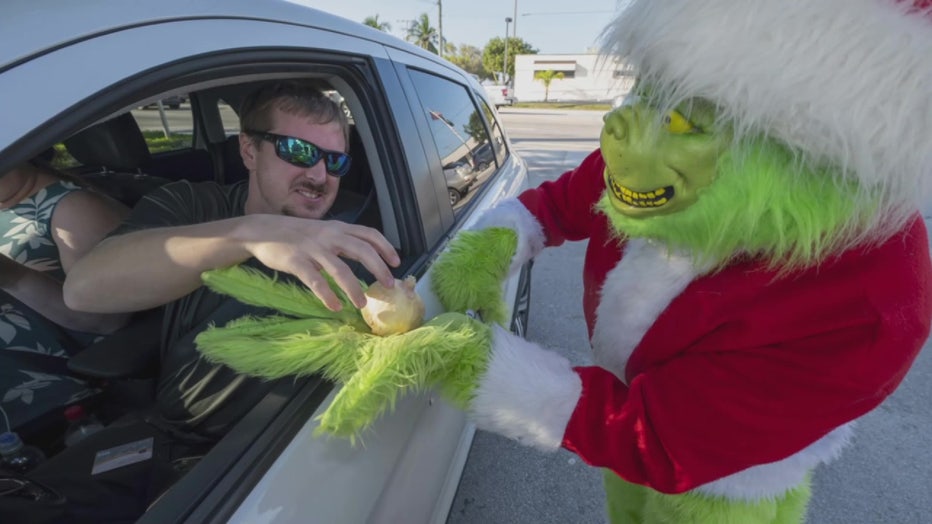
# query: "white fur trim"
{"points": [[512, 214], [844, 81], [634, 294], [527, 394], [774, 479]]}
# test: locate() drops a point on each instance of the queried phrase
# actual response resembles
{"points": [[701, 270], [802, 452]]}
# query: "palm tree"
{"points": [[373, 21], [546, 77], [422, 34]]}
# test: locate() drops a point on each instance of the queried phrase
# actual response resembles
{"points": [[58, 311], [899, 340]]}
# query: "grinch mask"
{"points": [[679, 176], [659, 162]]}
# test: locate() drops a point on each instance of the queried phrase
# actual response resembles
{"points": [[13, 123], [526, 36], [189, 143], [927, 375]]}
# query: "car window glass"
{"points": [[229, 118], [166, 128], [460, 135], [167, 124]]}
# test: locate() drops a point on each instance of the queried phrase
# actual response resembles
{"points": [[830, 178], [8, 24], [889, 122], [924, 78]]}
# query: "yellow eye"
{"points": [[677, 124]]}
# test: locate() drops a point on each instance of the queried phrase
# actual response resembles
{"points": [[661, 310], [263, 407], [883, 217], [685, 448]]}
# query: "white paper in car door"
{"points": [[122, 455]]}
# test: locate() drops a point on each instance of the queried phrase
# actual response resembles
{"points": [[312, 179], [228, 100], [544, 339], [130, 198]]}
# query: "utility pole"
{"points": [[440, 24], [505, 60], [514, 29]]}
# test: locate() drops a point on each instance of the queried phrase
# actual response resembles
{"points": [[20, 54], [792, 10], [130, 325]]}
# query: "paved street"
{"points": [[884, 477]]}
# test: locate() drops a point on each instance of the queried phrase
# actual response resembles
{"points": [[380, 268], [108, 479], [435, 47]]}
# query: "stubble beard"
{"points": [[312, 212]]}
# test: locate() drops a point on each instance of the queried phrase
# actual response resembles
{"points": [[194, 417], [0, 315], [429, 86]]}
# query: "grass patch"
{"points": [[159, 143]]}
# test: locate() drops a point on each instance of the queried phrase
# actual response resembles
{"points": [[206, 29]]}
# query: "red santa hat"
{"points": [[846, 83]]}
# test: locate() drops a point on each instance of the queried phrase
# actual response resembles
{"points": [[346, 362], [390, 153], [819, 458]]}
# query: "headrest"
{"points": [[117, 144]]}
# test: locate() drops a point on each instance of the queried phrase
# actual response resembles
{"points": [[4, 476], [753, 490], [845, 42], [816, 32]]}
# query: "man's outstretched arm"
{"points": [[148, 268]]}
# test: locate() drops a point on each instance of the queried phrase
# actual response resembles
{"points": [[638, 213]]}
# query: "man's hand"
{"points": [[305, 247]]}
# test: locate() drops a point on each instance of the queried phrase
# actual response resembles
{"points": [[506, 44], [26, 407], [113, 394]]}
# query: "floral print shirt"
{"points": [[27, 239]]}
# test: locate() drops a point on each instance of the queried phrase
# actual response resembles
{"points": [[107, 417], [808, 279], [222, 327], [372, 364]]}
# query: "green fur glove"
{"points": [[469, 275], [450, 351]]}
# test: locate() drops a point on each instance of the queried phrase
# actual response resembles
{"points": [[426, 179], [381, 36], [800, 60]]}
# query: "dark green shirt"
{"points": [[194, 394]]}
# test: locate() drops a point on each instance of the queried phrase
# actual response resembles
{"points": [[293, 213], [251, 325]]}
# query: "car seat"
{"points": [[115, 158]]}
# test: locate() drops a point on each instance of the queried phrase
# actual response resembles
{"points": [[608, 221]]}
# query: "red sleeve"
{"points": [[813, 353], [564, 207]]}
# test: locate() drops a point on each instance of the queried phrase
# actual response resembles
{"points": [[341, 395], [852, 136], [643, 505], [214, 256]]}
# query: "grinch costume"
{"points": [[757, 277]]}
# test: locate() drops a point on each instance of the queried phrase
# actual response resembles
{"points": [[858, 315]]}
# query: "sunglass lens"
{"points": [[298, 152], [302, 153], [338, 164]]}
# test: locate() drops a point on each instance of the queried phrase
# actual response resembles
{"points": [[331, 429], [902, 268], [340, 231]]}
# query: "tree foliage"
{"points": [[420, 33], [475, 128], [373, 21], [468, 57], [546, 77], [493, 55]]}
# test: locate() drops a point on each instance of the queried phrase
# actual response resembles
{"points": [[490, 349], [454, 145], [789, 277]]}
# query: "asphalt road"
{"points": [[884, 477]]}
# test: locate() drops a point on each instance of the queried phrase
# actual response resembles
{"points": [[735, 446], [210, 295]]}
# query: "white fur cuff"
{"points": [[512, 214], [773, 480], [527, 394]]}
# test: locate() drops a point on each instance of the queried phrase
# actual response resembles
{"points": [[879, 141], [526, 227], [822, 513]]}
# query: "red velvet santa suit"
{"points": [[701, 377]]}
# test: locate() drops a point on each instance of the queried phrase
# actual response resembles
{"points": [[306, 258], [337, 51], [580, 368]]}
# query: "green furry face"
{"points": [[658, 164], [679, 175]]}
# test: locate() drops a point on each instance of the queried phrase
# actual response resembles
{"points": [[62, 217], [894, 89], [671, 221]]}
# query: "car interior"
{"points": [[147, 136], [122, 369]]}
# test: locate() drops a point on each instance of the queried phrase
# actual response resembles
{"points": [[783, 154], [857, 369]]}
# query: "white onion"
{"points": [[395, 310]]}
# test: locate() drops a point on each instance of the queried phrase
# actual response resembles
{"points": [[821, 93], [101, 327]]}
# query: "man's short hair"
{"points": [[293, 97]]}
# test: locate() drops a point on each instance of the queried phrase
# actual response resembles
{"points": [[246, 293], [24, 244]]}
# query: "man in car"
{"points": [[294, 143]]}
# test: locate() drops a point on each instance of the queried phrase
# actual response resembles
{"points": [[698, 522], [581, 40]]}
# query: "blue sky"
{"points": [[552, 26]]}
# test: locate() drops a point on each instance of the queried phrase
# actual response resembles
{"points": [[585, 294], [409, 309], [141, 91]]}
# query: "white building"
{"points": [[586, 78]]}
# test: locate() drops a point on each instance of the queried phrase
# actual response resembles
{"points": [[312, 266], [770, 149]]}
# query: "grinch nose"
{"points": [[616, 125]]}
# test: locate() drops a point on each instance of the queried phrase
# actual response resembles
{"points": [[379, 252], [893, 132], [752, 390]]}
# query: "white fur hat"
{"points": [[843, 82]]}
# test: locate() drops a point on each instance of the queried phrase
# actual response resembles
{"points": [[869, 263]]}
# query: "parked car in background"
{"points": [[483, 156], [170, 102], [500, 94], [460, 177], [410, 110]]}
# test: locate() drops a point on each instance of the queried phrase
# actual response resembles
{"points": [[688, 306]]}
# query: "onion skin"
{"points": [[395, 310]]}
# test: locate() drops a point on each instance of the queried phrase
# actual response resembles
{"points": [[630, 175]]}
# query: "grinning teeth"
{"points": [[655, 198]]}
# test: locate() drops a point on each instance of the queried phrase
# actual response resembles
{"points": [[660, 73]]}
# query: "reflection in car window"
{"points": [[498, 138], [460, 135]]}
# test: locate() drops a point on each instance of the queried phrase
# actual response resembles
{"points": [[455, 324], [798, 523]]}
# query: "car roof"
{"points": [[39, 27]]}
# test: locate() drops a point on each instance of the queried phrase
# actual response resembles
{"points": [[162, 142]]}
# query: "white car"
{"points": [[500, 95], [76, 75]]}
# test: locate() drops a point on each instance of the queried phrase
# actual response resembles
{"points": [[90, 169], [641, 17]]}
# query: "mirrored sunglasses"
{"points": [[301, 153]]}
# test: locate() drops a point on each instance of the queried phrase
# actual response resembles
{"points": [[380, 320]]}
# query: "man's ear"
{"points": [[247, 150]]}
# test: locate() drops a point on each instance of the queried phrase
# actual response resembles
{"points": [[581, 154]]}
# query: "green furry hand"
{"points": [[469, 275], [450, 351]]}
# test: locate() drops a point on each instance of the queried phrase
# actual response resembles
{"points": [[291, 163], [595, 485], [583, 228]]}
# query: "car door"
{"points": [[196, 53], [424, 476], [410, 461]]}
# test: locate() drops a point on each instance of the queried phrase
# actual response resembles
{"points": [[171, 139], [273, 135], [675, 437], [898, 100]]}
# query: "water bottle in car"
{"points": [[80, 425], [17, 456]]}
